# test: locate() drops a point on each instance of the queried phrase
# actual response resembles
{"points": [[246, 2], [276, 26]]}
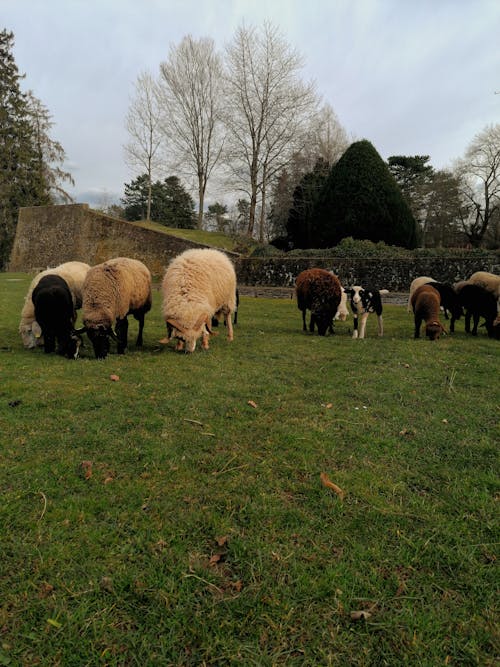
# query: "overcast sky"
{"points": [[414, 77]]}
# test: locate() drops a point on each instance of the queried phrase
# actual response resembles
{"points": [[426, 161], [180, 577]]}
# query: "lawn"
{"points": [[176, 516]]}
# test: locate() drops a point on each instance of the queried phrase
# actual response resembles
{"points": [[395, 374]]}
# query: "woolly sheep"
{"points": [[112, 291], [426, 302], [415, 284], [197, 285], [56, 315], [479, 302], [319, 291], [490, 282], [74, 274]]}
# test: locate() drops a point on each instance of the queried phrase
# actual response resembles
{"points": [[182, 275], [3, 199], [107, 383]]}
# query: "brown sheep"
{"points": [[426, 302], [319, 291]]}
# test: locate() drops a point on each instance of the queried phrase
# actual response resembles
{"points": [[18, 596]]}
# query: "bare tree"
{"points": [[267, 105], [479, 173], [143, 125], [190, 94]]}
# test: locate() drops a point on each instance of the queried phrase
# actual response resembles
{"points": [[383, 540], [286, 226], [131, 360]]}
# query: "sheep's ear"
{"points": [[36, 329]]}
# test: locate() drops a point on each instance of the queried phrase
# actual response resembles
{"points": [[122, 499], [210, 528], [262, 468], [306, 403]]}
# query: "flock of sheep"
{"points": [[199, 285], [199, 288], [320, 291]]}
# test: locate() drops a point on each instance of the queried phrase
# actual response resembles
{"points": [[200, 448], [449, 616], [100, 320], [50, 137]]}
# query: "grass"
{"points": [[162, 519]]}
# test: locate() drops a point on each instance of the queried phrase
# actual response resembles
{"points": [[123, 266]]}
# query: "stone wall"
{"points": [[49, 235], [395, 275]]}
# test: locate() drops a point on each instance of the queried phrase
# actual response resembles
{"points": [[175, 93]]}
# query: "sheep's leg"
{"points": [[121, 330], [355, 325], [311, 323], [364, 317], [475, 319], [418, 322], [380, 325], [140, 319], [304, 327], [229, 326], [467, 322], [452, 324]]}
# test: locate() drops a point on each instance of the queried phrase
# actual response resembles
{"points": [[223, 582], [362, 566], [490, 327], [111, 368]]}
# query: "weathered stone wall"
{"points": [[382, 273], [49, 235]]}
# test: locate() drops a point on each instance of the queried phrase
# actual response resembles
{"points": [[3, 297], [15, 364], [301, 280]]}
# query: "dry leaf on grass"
{"points": [[326, 481], [221, 541], [87, 469], [114, 378], [252, 404], [360, 615]]}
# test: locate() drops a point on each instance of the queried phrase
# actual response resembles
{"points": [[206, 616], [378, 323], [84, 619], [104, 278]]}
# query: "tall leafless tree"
{"points": [[143, 125], [267, 105], [190, 94], [479, 172]]}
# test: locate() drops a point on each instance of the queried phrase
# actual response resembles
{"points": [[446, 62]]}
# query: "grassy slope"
{"points": [[204, 533]]}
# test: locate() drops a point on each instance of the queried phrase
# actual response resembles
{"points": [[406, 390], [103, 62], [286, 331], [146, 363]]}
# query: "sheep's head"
{"points": [[189, 336], [31, 335], [434, 329], [99, 337]]}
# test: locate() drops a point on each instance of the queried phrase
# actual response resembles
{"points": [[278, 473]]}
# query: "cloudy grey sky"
{"points": [[412, 76]]}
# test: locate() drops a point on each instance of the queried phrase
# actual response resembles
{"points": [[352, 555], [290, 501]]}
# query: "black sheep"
{"points": [[55, 313], [479, 302]]}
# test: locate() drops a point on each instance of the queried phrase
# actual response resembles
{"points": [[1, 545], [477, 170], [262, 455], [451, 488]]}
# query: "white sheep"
{"points": [[74, 274], [112, 291], [342, 311], [414, 285], [197, 285]]}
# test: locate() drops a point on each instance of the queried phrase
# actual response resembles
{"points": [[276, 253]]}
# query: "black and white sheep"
{"points": [[112, 291], [366, 300], [319, 291], [55, 313], [74, 274], [426, 302], [198, 285], [479, 302]]}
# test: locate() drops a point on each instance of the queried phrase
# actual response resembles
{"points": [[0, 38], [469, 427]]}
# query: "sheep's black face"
{"points": [[323, 321], [100, 341]]}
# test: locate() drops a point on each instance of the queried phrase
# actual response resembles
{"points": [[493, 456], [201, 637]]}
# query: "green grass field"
{"points": [[162, 519]]}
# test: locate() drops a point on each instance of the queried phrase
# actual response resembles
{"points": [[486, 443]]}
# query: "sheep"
{"points": [[55, 313], [426, 302], [479, 302], [112, 291], [449, 302], [74, 274], [319, 291], [198, 284], [342, 311], [415, 284], [490, 282], [363, 302]]}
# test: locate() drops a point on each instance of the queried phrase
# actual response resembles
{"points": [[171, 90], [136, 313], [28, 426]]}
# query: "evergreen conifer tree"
{"points": [[360, 198]]}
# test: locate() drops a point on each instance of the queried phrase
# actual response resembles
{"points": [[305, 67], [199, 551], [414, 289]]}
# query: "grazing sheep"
{"points": [[342, 311], [55, 313], [74, 274], [363, 302], [490, 282], [319, 291], [415, 284], [479, 302], [426, 302], [449, 302], [112, 291], [198, 284]]}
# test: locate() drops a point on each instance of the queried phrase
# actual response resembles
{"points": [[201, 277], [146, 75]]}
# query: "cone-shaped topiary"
{"points": [[360, 198]]}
